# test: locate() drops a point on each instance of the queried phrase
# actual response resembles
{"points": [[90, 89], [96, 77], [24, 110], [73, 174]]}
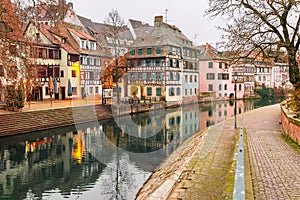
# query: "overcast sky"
{"points": [[187, 15]]}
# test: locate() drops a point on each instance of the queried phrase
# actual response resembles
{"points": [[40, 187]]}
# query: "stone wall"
{"points": [[290, 125]]}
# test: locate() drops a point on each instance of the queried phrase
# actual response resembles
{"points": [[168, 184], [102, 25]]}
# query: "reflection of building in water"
{"points": [[45, 164], [218, 111], [190, 120]]}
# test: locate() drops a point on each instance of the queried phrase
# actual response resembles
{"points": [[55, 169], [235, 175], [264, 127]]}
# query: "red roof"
{"points": [[49, 32], [82, 35]]}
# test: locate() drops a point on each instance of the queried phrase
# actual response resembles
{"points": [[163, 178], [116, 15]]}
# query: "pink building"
{"points": [[215, 75]]}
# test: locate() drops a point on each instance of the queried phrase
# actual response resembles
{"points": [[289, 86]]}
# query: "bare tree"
{"points": [[262, 26], [116, 24]]}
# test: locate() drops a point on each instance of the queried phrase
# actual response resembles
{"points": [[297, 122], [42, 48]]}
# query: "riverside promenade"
{"points": [[203, 167]]}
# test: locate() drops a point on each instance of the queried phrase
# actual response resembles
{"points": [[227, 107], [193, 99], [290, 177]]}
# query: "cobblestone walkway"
{"points": [[275, 166]]}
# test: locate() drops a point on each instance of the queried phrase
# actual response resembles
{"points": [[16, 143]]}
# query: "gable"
{"points": [[35, 35]]}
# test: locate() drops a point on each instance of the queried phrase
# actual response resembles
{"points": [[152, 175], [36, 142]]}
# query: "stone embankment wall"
{"points": [[290, 125]]}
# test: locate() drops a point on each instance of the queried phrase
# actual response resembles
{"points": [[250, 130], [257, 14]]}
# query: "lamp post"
{"points": [[235, 76]]}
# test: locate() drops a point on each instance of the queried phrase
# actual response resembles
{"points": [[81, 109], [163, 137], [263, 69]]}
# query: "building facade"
{"points": [[163, 65], [215, 75]]}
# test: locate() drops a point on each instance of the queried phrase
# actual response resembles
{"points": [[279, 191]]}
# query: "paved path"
{"points": [[275, 166]]}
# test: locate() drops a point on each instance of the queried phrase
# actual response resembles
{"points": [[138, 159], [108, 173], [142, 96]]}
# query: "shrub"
{"points": [[14, 99]]}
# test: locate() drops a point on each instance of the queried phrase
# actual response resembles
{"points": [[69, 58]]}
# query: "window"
{"points": [[220, 65], [210, 87], [210, 65], [73, 73], [177, 63], [185, 92], [171, 76], [92, 46], [82, 44], [144, 76], [177, 77], [225, 87], [140, 51], [158, 50], [220, 87], [178, 91], [92, 77], [149, 51], [186, 78], [171, 50], [191, 78], [223, 76], [195, 91], [74, 90], [195, 79], [133, 52], [191, 91], [171, 92], [1, 70], [96, 90], [97, 61], [149, 91], [158, 91], [240, 87], [210, 76]]}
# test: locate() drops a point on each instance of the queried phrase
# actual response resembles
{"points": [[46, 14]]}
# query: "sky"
{"points": [[187, 15]]}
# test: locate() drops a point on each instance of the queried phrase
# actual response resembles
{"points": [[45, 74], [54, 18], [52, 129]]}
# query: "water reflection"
{"points": [[101, 160]]}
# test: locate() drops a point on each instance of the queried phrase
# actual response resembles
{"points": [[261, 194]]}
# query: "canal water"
{"points": [[110, 159]]}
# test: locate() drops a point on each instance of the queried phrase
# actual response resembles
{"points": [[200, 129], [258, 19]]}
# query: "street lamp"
{"points": [[235, 77]]}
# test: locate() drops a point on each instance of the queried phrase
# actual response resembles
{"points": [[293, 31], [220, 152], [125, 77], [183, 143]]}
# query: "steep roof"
{"points": [[70, 45], [163, 34], [104, 31], [141, 28], [210, 53], [89, 26], [81, 34]]}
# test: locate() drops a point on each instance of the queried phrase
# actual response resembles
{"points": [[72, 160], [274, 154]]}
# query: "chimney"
{"points": [[158, 19]]}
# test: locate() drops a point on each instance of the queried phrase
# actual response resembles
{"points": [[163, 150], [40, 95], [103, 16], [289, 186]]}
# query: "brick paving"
{"points": [[275, 166]]}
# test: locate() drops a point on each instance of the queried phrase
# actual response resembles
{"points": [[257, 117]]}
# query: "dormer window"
{"points": [[38, 37], [63, 40], [92, 46], [83, 44]]}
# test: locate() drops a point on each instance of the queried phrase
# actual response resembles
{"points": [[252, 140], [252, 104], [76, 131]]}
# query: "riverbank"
{"points": [[38, 116]]}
